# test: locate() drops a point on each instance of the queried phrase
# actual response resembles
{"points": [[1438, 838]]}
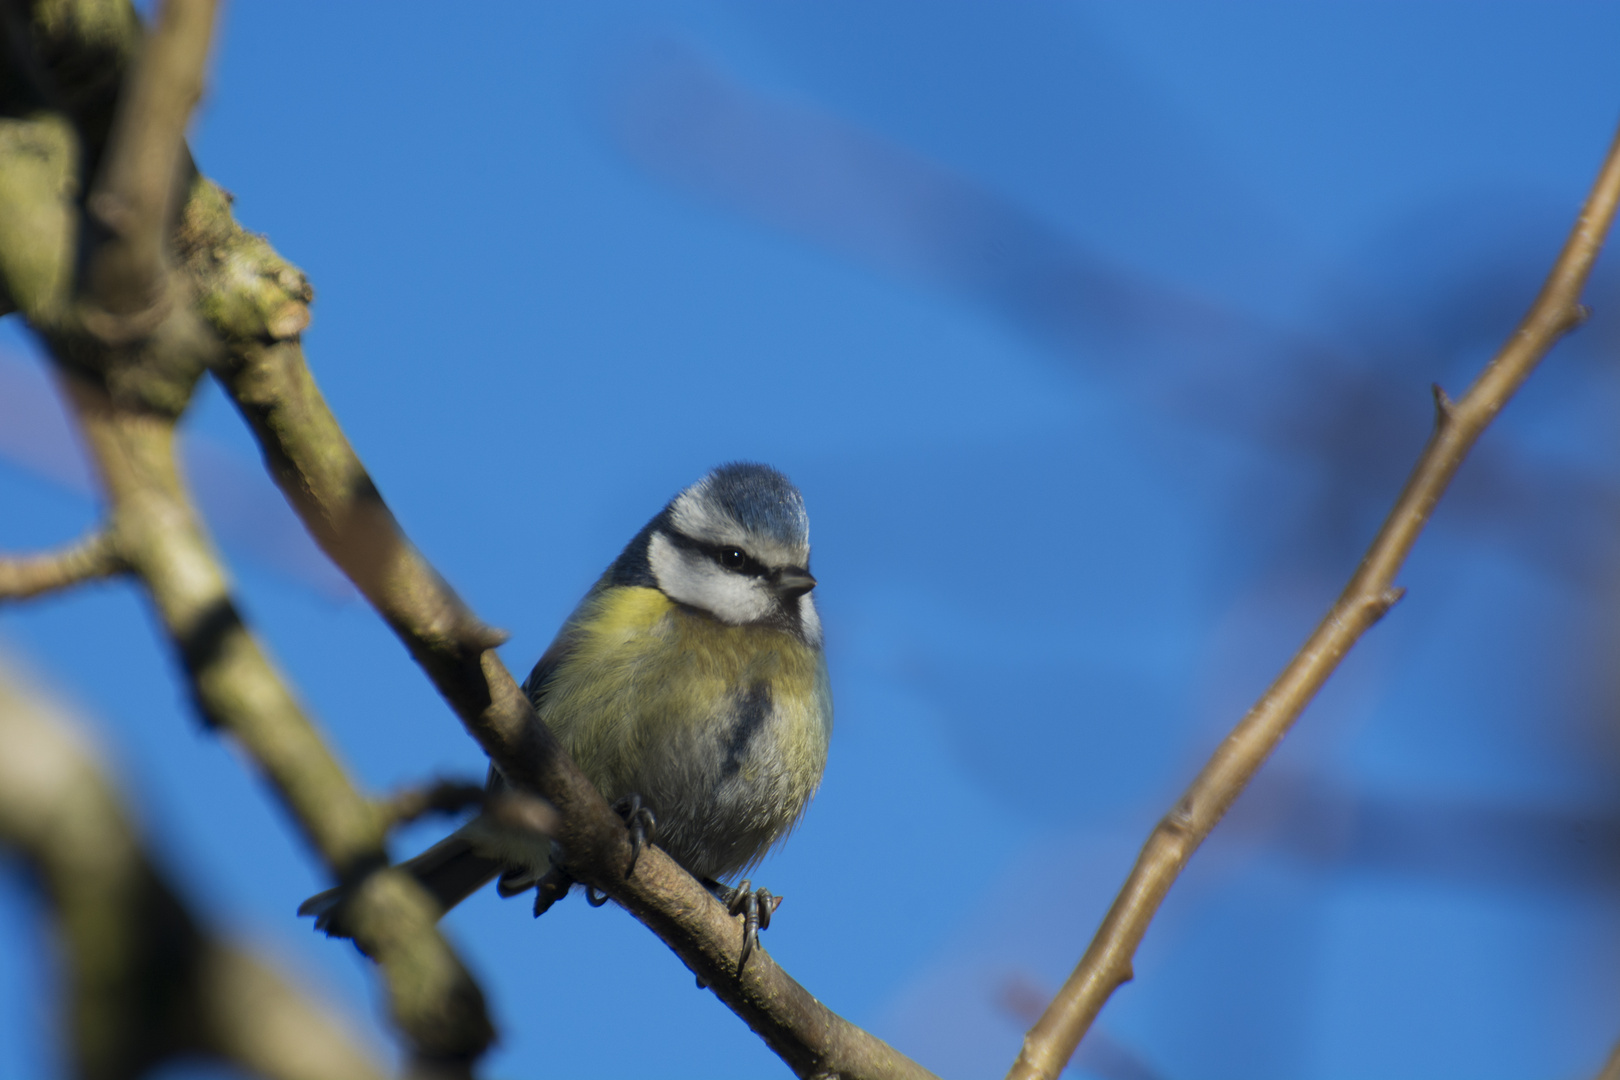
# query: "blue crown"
{"points": [[758, 498]]}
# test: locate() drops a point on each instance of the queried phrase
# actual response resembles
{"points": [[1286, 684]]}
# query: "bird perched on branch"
{"points": [[690, 687]]}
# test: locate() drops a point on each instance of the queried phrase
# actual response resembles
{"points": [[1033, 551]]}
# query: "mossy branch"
{"points": [[130, 344]]}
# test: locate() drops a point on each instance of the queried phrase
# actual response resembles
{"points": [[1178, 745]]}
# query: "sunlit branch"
{"points": [[1106, 964], [237, 690], [256, 304], [322, 477], [129, 348]]}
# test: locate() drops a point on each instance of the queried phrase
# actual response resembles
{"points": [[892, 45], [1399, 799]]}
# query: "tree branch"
{"points": [[252, 290], [38, 219], [1106, 964], [134, 196], [93, 558], [439, 797], [128, 381], [236, 689], [144, 981]]}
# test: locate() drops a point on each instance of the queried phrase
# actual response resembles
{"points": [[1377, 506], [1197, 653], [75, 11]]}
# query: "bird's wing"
{"points": [[535, 685]]}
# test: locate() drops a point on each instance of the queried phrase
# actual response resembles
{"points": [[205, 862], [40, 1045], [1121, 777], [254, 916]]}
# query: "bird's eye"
{"points": [[732, 558]]}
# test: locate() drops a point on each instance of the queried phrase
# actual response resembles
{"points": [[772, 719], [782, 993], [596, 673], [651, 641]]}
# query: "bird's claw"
{"points": [[551, 887], [756, 906], [556, 882], [641, 823]]}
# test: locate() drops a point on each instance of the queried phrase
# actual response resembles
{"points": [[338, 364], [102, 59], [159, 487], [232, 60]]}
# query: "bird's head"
{"points": [[736, 544]]}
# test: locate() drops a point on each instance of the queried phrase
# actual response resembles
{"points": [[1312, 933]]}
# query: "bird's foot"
{"points": [[642, 825], [756, 906], [552, 887], [556, 882]]}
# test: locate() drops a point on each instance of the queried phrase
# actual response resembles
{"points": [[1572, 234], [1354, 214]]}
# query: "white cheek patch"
{"points": [[809, 620], [697, 580]]}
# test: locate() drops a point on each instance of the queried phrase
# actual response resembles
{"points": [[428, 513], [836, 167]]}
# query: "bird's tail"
{"points": [[451, 870]]}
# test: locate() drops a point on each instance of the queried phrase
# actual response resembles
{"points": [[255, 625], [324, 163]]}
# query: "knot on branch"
{"points": [[1181, 823], [1379, 605], [246, 291], [1444, 408], [476, 636]]}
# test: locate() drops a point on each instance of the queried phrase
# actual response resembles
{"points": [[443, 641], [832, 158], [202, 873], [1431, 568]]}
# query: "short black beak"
{"points": [[792, 584]]}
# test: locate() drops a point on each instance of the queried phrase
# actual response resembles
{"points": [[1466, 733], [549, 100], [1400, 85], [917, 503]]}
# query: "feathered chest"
{"points": [[721, 729]]}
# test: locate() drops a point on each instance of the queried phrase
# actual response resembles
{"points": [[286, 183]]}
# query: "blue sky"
{"points": [[1098, 338]]}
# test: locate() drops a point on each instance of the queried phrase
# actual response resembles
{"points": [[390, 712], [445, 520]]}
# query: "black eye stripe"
{"points": [[749, 565], [735, 559]]}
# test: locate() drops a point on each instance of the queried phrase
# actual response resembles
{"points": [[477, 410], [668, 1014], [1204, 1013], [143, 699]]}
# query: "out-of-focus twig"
{"points": [[94, 557], [125, 286], [130, 344], [1611, 1067], [1106, 964], [236, 688], [439, 797], [143, 980]]}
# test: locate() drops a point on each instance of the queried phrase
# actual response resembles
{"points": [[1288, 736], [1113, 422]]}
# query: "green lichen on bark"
{"points": [[39, 188], [245, 290]]}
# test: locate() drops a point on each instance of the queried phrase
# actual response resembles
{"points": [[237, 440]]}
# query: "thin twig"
{"points": [[438, 797], [1106, 964], [520, 810], [90, 559], [137, 188]]}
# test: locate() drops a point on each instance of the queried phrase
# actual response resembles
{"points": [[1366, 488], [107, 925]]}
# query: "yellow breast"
{"points": [[652, 698]]}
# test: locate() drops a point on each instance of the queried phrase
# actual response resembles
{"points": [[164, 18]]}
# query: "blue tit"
{"points": [[689, 686]]}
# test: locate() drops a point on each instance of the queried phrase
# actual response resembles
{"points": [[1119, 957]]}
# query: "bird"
{"points": [[690, 686]]}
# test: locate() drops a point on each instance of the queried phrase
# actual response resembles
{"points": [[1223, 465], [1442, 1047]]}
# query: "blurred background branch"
{"points": [[144, 980], [130, 348], [1369, 594], [90, 559]]}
